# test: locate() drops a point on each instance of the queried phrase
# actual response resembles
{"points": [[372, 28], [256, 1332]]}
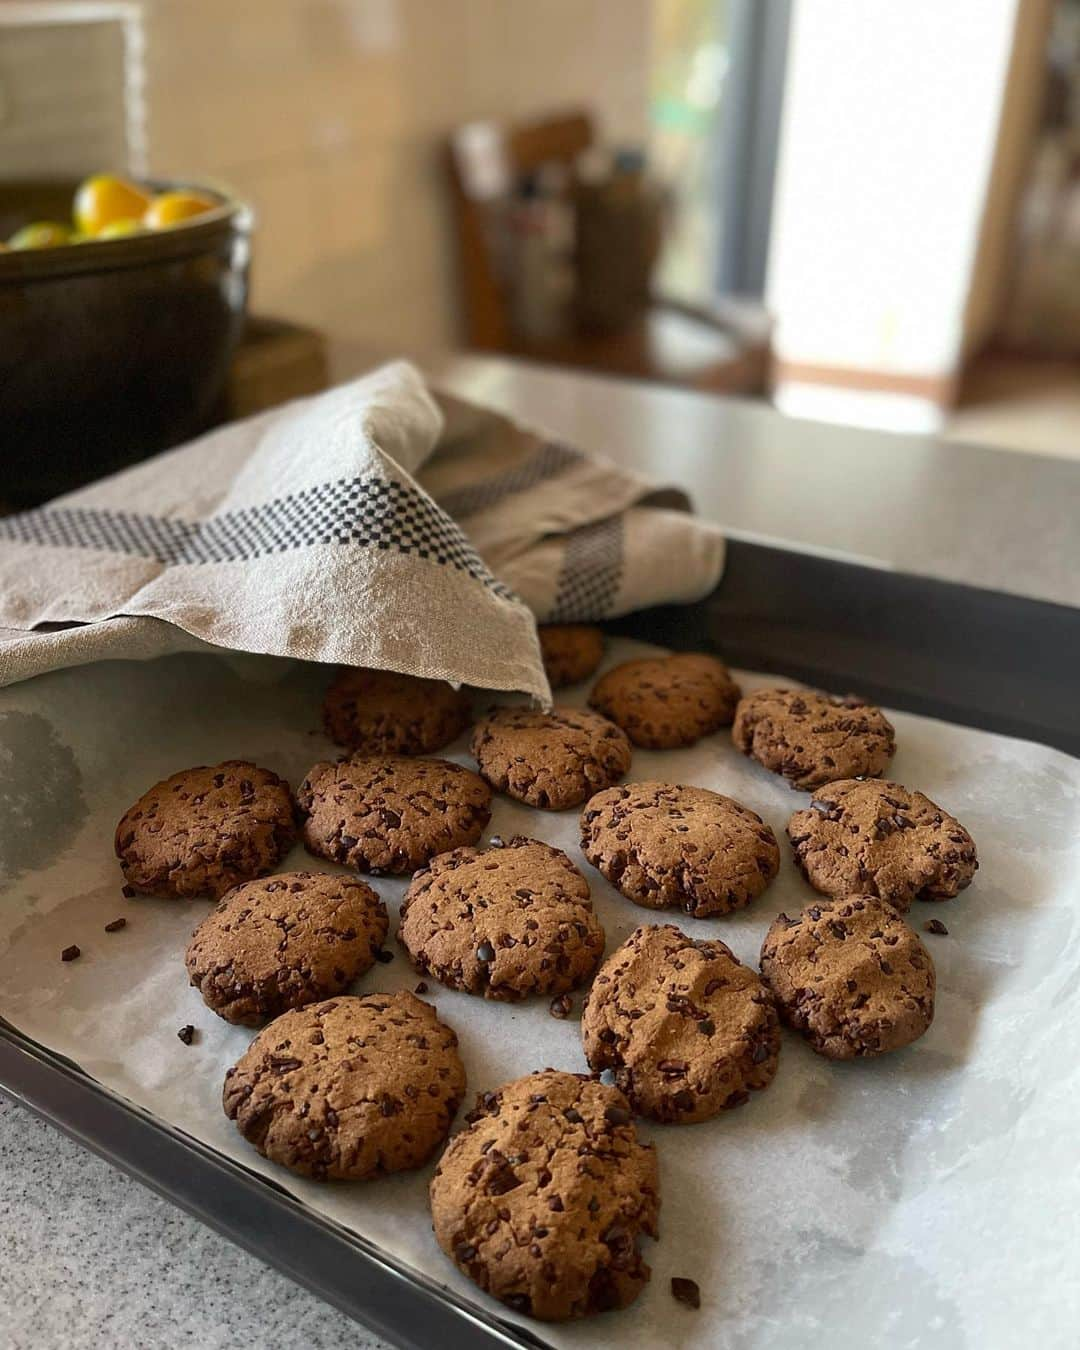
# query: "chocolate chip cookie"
{"points": [[205, 830], [380, 712], [504, 922], [851, 976], [871, 837], [688, 1029], [571, 651], [552, 760], [668, 846], [541, 1201], [813, 738], [283, 942], [391, 813], [350, 1088], [668, 701]]}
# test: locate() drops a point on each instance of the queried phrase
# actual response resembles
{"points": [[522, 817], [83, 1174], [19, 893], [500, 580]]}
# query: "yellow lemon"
{"points": [[42, 234], [105, 199], [173, 207], [119, 229]]}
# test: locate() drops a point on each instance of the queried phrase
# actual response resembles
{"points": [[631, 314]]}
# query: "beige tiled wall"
{"points": [[328, 115]]}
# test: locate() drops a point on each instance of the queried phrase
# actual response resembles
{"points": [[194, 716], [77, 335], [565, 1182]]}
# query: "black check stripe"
{"points": [[365, 513], [549, 461], [591, 572]]}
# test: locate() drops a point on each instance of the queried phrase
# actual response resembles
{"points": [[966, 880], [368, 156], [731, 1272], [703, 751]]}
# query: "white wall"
{"points": [[329, 116], [890, 123]]}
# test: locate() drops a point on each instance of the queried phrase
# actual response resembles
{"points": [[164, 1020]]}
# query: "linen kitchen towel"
{"points": [[377, 524]]}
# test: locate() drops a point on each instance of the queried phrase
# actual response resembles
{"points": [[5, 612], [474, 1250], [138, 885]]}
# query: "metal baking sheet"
{"points": [[960, 1123]]}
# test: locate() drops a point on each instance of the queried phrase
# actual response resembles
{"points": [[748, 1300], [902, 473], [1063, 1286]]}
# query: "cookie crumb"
{"points": [[71, 953], [936, 926], [421, 988], [562, 1006], [383, 956], [116, 925], [186, 1034], [686, 1291], [128, 892]]}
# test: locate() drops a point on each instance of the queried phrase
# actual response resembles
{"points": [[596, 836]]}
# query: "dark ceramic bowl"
{"points": [[111, 350]]}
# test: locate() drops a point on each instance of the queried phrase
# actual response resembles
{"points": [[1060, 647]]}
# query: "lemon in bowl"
{"points": [[104, 199], [173, 208]]}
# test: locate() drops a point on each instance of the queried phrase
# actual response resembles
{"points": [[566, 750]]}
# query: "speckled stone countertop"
{"points": [[91, 1260]]}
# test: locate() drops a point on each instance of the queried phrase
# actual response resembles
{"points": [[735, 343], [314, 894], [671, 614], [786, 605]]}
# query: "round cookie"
{"points": [[205, 830], [391, 813], [813, 738], [506, 923], [667, 846], [541, 1201], [851, 976], [380, 712], [871, 837], [283, 942], [571, 651], [688, 1030], [668, 701], [348, 1089], [552, 760]]}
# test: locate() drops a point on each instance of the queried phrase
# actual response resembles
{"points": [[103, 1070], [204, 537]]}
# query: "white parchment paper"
{"points": [[929, 1199]]}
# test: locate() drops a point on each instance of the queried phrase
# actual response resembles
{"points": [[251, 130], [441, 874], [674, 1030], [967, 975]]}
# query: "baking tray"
{"points": [[967, 655]]}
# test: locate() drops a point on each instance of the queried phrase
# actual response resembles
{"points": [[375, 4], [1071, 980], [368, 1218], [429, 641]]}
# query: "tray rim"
{"points": [[397, 1302]]}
